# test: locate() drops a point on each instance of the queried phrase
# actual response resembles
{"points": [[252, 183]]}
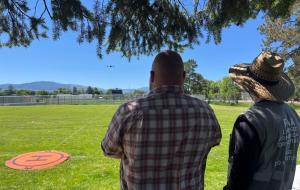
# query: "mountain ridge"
{"points": [[52, 86], [41, 85]]}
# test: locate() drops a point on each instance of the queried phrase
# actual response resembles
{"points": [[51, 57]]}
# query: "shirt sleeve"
{"points": [[244, 151], [112, 142], [216, 130]]}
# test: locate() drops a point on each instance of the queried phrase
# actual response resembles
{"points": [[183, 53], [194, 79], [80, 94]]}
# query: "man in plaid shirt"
{"points": [[163, 139]]}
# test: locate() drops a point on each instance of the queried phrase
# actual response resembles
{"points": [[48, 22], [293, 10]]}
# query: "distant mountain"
{"points": [[41, 85], [51, 86]]}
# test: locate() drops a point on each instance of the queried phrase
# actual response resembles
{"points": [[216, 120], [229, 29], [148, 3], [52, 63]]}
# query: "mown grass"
{"points": [[78, 130]]}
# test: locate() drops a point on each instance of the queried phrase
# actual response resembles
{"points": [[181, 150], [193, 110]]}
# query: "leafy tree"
{"points": [[297, 94], [109, 92], [89, 90], [68, 91], [282, 35], [31, 92], [212, 89], [194, 82], [64, 91], [10, 90], [132, 27], [297, 91], [198, 84], [25, 92], [61, 90], [55, 92], [294, 73], [97, 91], [189, 68], [228, 90], [82, 91], [74, 91], [42, 92]]}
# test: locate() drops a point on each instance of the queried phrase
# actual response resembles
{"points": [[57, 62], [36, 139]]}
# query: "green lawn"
{"points": [[78, 130]]}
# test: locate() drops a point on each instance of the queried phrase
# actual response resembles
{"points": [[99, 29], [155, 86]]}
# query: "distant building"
{"points": [[117, 92]]}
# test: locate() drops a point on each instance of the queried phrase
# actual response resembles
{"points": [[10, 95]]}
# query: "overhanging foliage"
{"points": [[132, 27]]}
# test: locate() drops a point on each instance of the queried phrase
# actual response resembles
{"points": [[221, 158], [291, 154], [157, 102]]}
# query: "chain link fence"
{"points": [[71, 99], [62, 99]]}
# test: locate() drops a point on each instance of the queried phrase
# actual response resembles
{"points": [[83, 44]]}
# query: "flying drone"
{"points": [[110, 66]]}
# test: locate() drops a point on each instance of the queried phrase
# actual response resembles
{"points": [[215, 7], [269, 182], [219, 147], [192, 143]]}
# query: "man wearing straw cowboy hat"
{"points": [[265, 139]]}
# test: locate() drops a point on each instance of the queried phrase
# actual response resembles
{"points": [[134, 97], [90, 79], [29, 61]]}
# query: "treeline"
{"points": [[11, 91], [225, 90]]}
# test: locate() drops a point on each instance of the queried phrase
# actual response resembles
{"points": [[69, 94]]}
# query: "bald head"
{"points": [[167, 69]]}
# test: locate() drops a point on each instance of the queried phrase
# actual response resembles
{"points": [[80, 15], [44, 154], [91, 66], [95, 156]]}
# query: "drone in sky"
{"points": [[110, 66]]}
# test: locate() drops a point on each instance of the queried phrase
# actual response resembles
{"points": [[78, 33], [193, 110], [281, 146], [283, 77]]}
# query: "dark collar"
{"points": [[174, 89], [270, 101]]}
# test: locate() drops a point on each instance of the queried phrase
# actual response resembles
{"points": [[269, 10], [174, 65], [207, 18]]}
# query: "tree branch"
{"points": [[183, 6], [11, 16], [17, 6], [39, 18], [36, 4], [196, 6], [295, 51], [46, 7], [42, 14]]}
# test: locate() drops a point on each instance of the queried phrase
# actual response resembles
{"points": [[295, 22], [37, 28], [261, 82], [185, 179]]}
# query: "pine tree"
{"points": [[132, 27]]}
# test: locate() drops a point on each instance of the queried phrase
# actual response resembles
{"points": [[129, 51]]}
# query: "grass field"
{"points": [[78, 130]]}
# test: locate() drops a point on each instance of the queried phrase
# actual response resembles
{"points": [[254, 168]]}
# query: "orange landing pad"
{"points": [[37, 160]]}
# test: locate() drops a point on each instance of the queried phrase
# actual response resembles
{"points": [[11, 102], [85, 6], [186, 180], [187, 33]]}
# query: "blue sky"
{"points": [[66, 61]]}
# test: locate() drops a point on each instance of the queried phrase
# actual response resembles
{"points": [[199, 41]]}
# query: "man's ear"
{"points": [[184, 75], [152, 75]]}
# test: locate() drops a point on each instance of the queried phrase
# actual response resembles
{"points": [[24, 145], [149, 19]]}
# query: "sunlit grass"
{"points": [[78, 130]]}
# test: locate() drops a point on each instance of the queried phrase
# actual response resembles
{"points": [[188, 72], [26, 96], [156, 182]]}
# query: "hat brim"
{"points": [[281, 91]]}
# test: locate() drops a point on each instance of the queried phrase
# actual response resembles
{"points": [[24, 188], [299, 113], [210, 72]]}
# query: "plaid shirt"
{"points": [[163, 140]]}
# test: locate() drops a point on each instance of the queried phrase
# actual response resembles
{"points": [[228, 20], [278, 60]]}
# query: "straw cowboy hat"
{"points": [[264, 78]]}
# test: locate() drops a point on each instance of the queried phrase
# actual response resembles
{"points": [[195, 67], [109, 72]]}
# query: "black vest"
{"points": [[278, 128]]}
